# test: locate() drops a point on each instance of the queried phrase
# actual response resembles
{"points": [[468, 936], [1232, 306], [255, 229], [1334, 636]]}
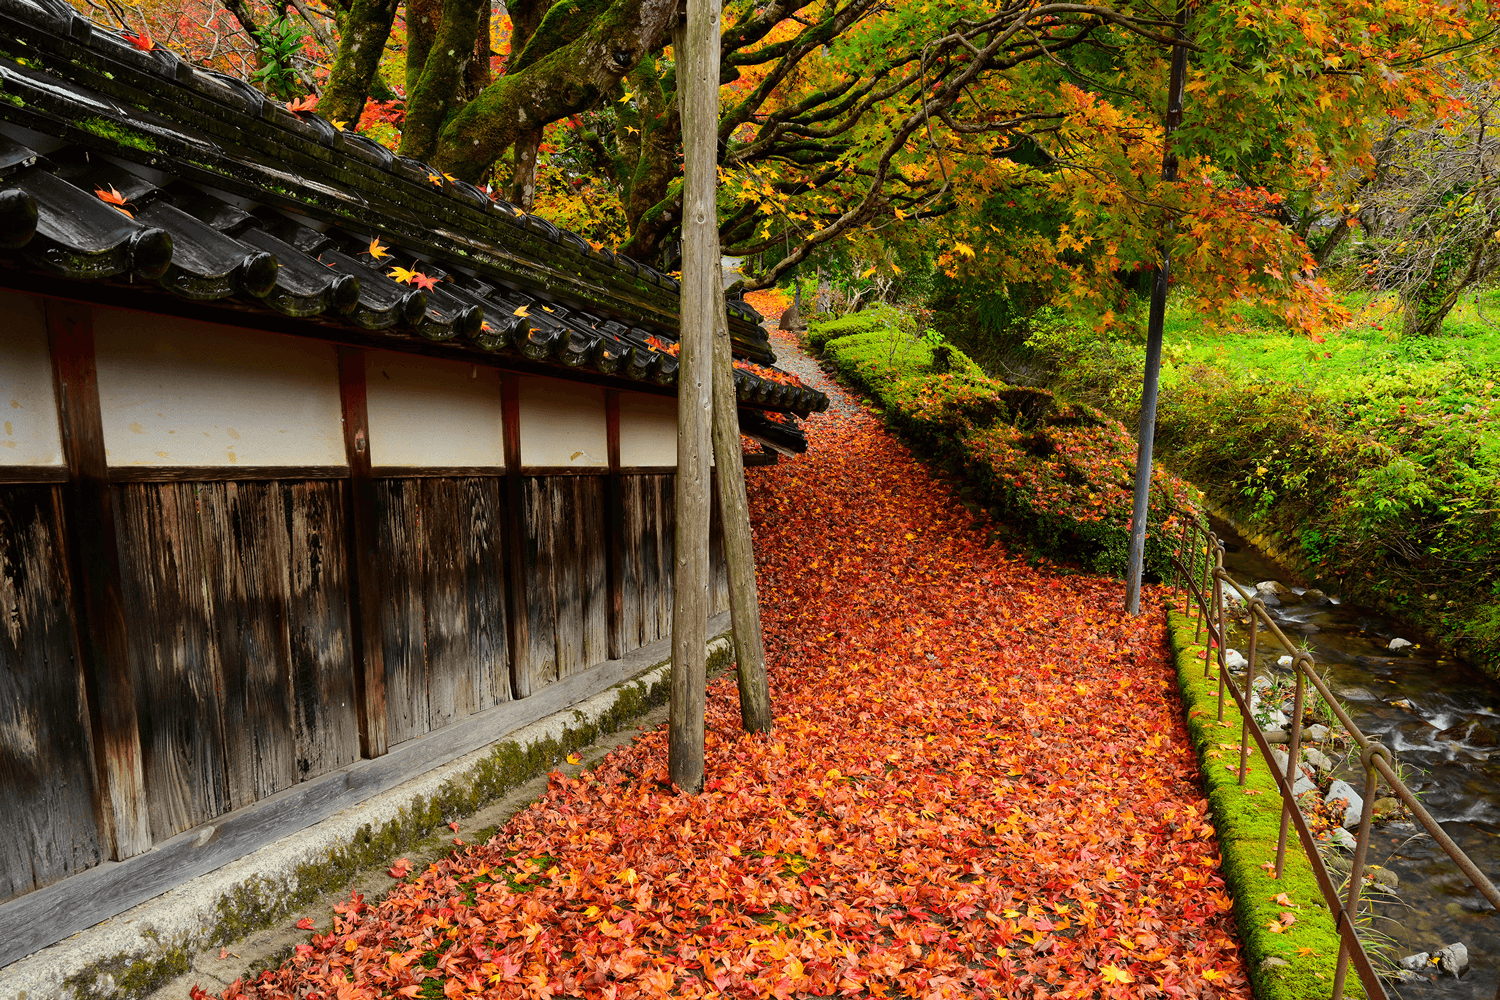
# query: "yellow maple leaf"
{"points": [[1114, 974], [401, 274], [964, 249], [521, 311], [339, 124], [867, 272], [1213, 975], [435, 179], [573, 758], [377, 249], [627, 97]]}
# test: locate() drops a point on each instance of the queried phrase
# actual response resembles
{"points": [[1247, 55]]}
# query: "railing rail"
{"points": [[1200, 580]]}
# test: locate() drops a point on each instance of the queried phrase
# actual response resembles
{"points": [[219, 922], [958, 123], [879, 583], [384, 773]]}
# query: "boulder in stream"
{"points": [[1474, 733], [1234, 659], [1387, 807], [1398, 644], [1314, 596], [1416, 962], [1453, 958], [1316, 734], [1317, 758], [1271, 587], [1356, 803], [1354, 694]]}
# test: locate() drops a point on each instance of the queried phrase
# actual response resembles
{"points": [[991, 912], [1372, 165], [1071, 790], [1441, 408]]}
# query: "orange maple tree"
{"points": [[978, 785]]}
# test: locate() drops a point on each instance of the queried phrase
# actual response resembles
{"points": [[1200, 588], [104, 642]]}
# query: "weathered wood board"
{"points": [[47, 825]]}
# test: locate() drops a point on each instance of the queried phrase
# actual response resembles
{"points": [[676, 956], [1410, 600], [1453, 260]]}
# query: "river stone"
{"points": [[1341, 838], [1397, 644], [1270, 587], [1270, 600], [1384, 878], [1453, 958], [1284, 661], [1387, 807], [1353, 693], [1314, 596], [1416, 962], [1262, 683], [1234, 660], [1343, 790], [1315, 733], [1473, 733], [1317, 758]]}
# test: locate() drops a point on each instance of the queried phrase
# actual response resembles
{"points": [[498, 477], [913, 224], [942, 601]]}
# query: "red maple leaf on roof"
{"points": [[140, 40], [308, 103], [426, 282]]}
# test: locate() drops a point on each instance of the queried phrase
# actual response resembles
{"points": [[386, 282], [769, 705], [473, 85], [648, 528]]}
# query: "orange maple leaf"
{"points": [[140, 40], [113, 197]]}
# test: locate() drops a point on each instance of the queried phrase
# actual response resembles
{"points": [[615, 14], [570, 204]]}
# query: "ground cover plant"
{"points": [[1370, 459], [1056, 477], [979, 784]]}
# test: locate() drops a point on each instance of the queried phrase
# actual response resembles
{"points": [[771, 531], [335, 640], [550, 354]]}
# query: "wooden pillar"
{"points": [[697, 53], [614, 528], [739, 546], [518, 628], [364, 567], [94, 555]]}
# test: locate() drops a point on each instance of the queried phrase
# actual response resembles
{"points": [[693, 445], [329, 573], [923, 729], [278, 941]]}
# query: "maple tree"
{"points": [[979, 784]]}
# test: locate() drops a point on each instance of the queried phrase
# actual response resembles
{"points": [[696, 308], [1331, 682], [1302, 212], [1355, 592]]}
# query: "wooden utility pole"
{"points": [[1154, 331], [696, 50], [739, 551]]}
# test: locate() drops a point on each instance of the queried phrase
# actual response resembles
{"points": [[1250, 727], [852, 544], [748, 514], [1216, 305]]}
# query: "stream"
{"points": [[1441, 718]]}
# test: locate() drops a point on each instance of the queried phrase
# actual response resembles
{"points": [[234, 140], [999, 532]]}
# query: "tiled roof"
{"points": [[237, 202]]}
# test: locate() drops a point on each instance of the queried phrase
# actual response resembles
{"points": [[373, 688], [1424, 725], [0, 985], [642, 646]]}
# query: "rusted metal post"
{"points": [[1361, 849], [1300, 662], [1154, 331], [1245, 720]]}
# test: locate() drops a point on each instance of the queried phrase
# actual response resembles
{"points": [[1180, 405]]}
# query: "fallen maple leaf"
{"points": [[140, 40], [521, 311], [573, 758], [400, 869], [113, 197], [1114, 974], [453, 825], [426, 282], [308, 103], [305, 924], [377, 249], [401, 274]]}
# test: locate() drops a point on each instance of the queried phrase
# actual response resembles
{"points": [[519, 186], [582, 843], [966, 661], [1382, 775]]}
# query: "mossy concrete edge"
{"points": [[1248, 821], [130, 956]]}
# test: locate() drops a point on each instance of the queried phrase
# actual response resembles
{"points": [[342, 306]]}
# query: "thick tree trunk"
{"points": [[431, 101], [569, 80], [422, 20], [366, 27], [523, 180]]}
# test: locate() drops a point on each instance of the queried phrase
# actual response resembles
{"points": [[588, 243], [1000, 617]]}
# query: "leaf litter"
{"points": [[979, 785]]}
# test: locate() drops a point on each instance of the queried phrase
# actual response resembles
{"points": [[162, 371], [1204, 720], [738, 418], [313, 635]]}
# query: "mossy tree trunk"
{"points": [[434, 98], [366, 27]]}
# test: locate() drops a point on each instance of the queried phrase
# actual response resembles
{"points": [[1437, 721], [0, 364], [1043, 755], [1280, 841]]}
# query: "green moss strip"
{"points": [[1248, 819]]}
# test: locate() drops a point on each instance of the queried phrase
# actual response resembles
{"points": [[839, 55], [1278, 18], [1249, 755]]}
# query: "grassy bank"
{"points": [[1373, 462], [1292, 960], [1056, 477]]}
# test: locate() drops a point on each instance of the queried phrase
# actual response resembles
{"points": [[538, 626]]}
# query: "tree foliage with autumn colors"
{"points": [[1020, 141]]}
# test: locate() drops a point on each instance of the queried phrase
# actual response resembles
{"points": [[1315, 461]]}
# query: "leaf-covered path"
{"points": [[979, 785]]}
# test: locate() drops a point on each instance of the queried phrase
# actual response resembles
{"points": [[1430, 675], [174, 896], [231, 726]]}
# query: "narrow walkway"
{"points": [[979, 785]]}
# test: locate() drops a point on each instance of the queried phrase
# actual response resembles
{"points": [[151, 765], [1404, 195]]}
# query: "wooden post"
{"points": [[696, 49], [739, 549], [518, 629], [364, 567], [124, 822], [614, 529]]}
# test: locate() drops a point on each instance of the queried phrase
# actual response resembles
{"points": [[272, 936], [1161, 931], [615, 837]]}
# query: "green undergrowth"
{"points": [[1372, 463], [1248, 821], [1057, 479]]}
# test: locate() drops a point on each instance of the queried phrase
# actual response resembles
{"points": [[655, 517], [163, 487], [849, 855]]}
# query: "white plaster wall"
{"points": [[430, 412], [177, 392], [648, 430], [28, 408], [562, 424]]}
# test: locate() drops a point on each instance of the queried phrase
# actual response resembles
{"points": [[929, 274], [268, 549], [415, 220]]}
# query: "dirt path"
{"points": [[979, 785]]}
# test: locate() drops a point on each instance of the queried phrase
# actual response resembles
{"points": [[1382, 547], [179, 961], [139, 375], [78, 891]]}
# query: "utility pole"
{"points": [[1154, 329], [696, 51]]}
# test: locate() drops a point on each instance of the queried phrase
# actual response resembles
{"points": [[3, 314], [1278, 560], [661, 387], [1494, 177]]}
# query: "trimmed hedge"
{"points": [[1248, 820], [1060, 478]]}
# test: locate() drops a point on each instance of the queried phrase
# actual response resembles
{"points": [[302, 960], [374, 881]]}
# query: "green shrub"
{"points": [[881, 317], [1059, 477]]}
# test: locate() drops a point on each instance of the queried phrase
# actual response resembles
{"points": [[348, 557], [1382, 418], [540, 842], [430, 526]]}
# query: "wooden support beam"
{"points": [[739, 546], [94, 557], [614, 528], [518, 632], [697, 52], [364, 567]]}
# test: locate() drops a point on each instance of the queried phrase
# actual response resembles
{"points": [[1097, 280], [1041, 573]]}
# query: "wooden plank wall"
{"points": [[442, 600], [564, 565], [47, 824], [239, 640]]}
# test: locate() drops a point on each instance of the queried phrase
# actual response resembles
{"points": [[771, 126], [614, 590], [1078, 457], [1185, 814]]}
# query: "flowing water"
{"points": [[1441, 718]]}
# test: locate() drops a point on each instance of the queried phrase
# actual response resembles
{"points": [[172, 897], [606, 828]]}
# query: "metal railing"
{"points": [[1200, 580]]}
